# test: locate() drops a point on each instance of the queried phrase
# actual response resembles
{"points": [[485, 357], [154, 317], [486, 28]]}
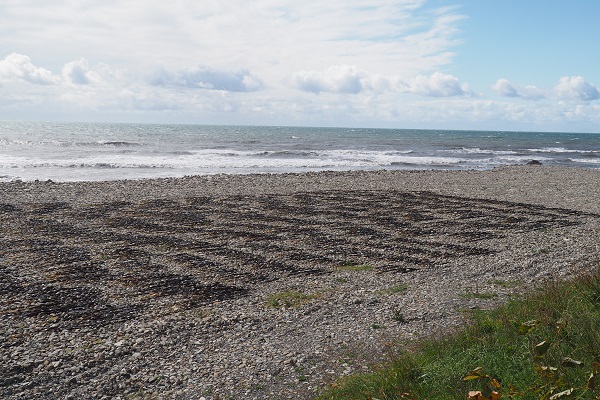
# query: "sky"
{"points": [[433, 64]]}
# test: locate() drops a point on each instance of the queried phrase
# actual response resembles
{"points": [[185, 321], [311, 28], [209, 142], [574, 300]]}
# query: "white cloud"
{"points": [[19, 67], [348, 79], [507, 89], [203, 77], [576, 88], [79, 73], [438, 85], [260, 61], [478, 113], [222, 56], [568, 88], [270, 38], [343, 79]]}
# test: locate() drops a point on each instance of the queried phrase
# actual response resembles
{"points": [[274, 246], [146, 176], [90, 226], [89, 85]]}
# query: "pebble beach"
{"points": [[268, 286]]}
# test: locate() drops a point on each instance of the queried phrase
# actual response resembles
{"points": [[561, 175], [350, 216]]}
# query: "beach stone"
{"points": [[163, 287]]}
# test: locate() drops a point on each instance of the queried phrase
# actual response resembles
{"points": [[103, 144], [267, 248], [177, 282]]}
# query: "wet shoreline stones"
{"points": [[161, 288]]}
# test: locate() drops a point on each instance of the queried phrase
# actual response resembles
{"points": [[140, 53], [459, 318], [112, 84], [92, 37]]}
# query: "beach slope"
{"points": [[267, 286]]}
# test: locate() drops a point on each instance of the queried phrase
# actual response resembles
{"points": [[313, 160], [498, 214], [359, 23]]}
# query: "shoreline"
{"points": [[162, 287]]}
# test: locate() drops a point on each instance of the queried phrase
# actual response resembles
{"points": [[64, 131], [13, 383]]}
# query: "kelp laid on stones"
{"points": [[79, 270]]}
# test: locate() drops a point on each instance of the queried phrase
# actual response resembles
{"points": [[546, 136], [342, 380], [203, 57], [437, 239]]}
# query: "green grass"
{"points": [[566, 315], [396, 289], [505, 283], [479, 295], [287, 299]]}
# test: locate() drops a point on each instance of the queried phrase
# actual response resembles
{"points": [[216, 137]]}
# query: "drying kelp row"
{"points": [[95, 264]]}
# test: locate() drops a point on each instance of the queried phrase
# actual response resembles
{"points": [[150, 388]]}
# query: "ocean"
{"points": [[106, 151]]}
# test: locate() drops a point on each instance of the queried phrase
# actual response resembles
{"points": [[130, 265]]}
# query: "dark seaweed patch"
{"points": [[74, 306], [8, 208], [104, 263], [49, 208]]}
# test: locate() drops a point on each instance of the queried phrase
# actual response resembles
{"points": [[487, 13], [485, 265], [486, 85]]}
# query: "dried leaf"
{"points": [[474, 395], [495, 383], [545, 368], [475, 374], [591, 383], [562, 394], [542, 347], [570, 363], [477, 395]]}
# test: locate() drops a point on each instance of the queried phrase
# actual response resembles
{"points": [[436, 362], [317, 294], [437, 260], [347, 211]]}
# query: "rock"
{"points": [[534, 162]]}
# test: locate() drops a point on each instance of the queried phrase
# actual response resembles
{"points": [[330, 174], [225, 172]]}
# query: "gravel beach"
{"points": [[267, 286]]}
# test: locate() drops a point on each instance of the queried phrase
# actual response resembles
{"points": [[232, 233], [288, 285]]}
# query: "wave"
{"points": [[63, 143], [562, 150], [286, 153], [223, 159], [99, 143], [113, 165], [477, 150], [585, 161], [117, 143], [551, 150], [21, 143], [283, 160]]}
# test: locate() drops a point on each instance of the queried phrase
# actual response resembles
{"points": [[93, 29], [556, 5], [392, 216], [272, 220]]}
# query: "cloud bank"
{"points": [[347, 79], [342, 79], [335, 93], [438, 85], [383, 62], [79, 73], [18, 67], [568, 88], [575, 87], [508, 89], [203, 77]]}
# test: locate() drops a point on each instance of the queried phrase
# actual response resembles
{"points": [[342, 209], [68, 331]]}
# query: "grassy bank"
{"points": [[545, 346]]}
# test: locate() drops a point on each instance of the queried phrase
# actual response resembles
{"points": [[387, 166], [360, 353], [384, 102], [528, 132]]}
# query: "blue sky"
{"points": [[533, 41], [456, 64]]}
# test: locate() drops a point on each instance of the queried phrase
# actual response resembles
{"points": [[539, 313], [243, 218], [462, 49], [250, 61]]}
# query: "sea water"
{"points": [[105, 151]]}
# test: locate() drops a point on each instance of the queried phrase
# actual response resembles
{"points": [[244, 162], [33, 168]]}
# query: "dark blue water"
{"points": [[93, 151]]}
